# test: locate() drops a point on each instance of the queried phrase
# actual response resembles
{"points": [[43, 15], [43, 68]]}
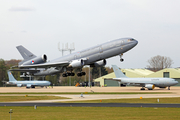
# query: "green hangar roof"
{"points": [[136, 72], [168, 72]]}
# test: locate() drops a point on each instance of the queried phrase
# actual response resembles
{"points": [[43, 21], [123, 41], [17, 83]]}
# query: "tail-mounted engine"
{"points": [[36, 60]]}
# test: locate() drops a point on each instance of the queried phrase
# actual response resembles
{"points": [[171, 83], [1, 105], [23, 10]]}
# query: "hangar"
{"points": [[140, 73]]}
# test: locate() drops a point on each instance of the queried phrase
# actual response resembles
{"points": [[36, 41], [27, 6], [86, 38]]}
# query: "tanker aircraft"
{"points": [[27, 83], [95, 57], [149, 83]]}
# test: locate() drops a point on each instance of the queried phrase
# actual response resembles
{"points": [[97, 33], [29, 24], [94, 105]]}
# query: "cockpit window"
{"points": [[130, 40]]}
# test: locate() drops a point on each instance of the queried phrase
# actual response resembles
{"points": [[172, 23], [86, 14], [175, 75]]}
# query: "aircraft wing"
{"points": [[25, 70], [50, 64], [115, 79]]}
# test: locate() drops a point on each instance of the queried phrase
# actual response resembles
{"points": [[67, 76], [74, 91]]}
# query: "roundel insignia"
{"points": [[32, 61]]}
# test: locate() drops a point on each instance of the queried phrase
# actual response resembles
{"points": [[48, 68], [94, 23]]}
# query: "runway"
{"points": [[93, 105], [174, 92]]}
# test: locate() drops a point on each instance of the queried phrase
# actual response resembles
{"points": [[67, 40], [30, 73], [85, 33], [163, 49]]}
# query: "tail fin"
{"points": [[26, 54], [11, 77], [118, 72]]}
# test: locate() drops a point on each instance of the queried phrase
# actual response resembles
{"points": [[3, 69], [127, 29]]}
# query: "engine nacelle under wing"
{"points": [[99, 63], [36, 60], [77, 63], [19, 85], [28, 85], [150, 86]]}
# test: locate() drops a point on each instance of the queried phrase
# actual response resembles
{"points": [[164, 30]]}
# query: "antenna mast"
{"points": [[65, 48]]}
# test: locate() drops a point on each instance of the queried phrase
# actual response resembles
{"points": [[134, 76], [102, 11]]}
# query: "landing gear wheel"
{"points": [[121, 60], [72, 74], [64, 75], [83, 73], [79, 74], [169, 88], [142, 88]]}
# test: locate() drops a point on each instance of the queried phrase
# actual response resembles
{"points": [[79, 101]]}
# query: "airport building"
{"points": [[140, 73]]}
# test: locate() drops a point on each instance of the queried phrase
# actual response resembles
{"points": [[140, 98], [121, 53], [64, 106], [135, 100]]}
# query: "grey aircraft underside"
{"points": [[149, 83], [95, 57], [27, 83]]}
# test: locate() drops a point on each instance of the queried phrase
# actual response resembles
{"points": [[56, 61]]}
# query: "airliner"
{"points": [[149, 83], [94, 56], [27, 83]]}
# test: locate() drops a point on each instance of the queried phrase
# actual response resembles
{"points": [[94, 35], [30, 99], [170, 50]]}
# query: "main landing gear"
{"points": [[68, 74], [142, 88], [81, 74], [121, 59]]}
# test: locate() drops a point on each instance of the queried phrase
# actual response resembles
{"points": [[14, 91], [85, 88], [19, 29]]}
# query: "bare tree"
{"points": [[159, 62]]}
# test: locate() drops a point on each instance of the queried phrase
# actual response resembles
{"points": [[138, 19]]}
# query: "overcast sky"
{"points": [[39, 25]]}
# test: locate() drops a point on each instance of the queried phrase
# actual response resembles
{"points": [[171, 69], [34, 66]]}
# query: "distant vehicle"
{"points": [[27, 83], [149, 83], [95, 57]]}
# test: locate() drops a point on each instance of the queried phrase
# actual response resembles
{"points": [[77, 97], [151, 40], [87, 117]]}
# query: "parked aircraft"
{"points": [[149, 83], [27, 83], [95, 57]]}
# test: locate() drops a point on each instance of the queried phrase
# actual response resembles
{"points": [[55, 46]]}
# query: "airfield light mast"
{"points": [[72, 48], [65, 48]]}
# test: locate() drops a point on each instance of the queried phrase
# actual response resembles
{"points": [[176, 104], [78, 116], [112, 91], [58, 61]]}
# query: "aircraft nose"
{"points": [[176, 82], [135, 42]]}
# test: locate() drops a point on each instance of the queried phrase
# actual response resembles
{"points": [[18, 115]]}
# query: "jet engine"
{"points": [[99, 63], [19, 85], [150, 86], [28, 86], [36, 60], [77, 63]]}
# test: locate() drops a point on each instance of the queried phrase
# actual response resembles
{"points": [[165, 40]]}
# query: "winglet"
{"points": [[118, 72], [11, 77]]}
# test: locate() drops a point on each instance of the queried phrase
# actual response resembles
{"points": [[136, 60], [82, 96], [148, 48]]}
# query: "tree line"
{"points": [[56, 79]]}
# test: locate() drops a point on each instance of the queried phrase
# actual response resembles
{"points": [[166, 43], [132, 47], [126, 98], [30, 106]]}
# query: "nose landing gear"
{"points": [[121, 59], [168, 87]]}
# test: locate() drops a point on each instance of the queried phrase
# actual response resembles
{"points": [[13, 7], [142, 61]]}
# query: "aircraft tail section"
{"points": [[26, 54], [118, 72], [11, 77]]}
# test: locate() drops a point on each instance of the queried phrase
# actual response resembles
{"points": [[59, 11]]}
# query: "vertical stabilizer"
{"points": [[11, 77], [26, 54], [118, 72]]}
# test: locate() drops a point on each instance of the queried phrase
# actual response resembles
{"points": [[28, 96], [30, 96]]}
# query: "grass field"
{"points": [[88, 113], [28, 98], [87, 93], [131, 100]]}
